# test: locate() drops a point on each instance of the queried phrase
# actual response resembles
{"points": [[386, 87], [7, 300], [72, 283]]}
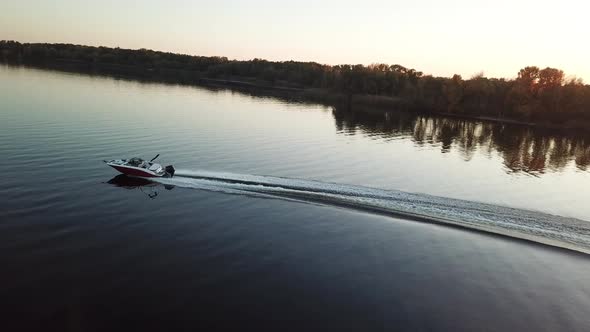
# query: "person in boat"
{"points": [[137, 162]]}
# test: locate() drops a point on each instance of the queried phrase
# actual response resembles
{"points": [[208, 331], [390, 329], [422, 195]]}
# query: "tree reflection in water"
{"points": [[523, 149]]}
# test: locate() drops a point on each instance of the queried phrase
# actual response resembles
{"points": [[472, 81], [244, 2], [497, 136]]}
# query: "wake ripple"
{"points": [[534, 226]]}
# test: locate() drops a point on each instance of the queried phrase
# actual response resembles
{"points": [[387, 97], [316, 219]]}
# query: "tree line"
{"points": [[536, 95]]}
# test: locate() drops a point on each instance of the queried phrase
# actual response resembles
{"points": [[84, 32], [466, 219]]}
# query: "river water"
{"points": [[282, 215]]}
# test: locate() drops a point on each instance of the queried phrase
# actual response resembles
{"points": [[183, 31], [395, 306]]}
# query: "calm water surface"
{"points": [[281, 214]]}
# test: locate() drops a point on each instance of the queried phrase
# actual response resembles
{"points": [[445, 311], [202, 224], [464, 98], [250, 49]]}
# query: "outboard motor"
{"points": [[170, 170]]}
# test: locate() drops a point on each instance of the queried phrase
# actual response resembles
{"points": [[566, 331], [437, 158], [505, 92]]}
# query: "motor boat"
{"points": [[139, 167]]}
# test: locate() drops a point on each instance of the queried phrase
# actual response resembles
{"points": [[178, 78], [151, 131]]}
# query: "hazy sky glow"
{"points": [[438, 37]]}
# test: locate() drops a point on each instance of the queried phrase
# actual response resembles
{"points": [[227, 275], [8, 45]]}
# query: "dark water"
{"points": [[284, 216]]}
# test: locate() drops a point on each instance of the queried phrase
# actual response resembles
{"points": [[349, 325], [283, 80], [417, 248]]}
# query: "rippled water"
{"points": [[280, 208]]}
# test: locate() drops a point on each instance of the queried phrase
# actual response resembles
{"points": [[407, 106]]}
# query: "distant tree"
{"points": [[453, 91], [549, 89]]}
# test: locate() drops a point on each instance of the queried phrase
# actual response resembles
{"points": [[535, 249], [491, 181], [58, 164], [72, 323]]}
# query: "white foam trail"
{"points": [[535, 226]]}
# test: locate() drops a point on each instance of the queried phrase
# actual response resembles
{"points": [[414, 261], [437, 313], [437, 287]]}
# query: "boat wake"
{"points": [[569, 233]]}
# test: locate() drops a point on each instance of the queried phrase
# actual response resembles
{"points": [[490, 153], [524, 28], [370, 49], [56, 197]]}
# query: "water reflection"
{"points": [[523, 149], [147, 187]]}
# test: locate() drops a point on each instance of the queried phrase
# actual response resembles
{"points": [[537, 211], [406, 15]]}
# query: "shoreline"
{"points": [[365, 103]]}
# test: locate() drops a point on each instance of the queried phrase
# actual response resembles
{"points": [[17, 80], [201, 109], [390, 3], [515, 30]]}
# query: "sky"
{"points": [[437, 37]]}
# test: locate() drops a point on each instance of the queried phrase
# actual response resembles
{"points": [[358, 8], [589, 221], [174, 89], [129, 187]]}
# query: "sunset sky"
{"points": [[437, 37]]}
